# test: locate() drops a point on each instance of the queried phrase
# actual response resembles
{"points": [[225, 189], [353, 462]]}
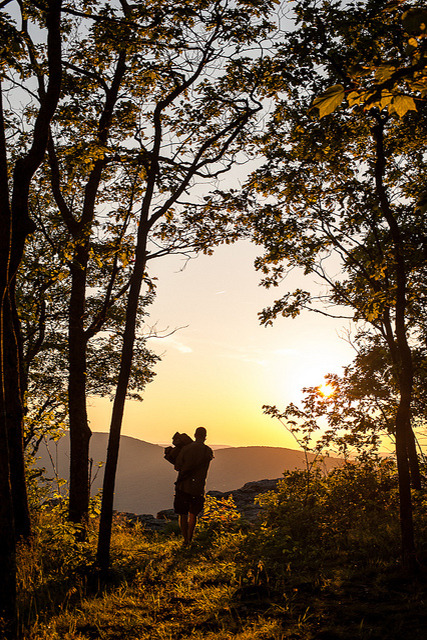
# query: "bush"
{"points": [[313, 517]]}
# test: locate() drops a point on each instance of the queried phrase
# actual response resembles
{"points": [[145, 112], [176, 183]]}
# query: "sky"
{"points": [[219, 366]]}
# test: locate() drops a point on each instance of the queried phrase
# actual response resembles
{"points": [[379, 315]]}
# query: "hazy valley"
{"points": [[145, 480]]}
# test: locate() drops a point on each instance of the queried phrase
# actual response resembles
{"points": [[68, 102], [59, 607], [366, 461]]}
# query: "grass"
{"points": [[235, 583]]}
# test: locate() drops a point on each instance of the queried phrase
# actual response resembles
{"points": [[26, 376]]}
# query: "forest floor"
{"points": [[222, 588]]}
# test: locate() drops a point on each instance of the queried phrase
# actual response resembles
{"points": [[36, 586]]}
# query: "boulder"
{"points": [[244, 498]]}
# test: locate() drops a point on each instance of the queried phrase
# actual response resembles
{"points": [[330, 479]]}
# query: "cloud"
{"points": [[182, 348], [171, 342]]}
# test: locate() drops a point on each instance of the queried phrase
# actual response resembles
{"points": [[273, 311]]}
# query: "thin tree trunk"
{"points": [[15, 418], [7, 530], [8, 618], [409, 560], [15, 225], [414, 464], [105, 525], [80, 432], [402, 357], [8, 374]]}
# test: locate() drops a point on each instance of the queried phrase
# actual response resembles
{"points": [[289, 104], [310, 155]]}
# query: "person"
{"points": [[192, 465]]}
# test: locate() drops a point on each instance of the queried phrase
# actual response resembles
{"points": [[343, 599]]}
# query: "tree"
{"points": [[80, 172], [199, 110], [353, 414], [100, 162], [83, 204], [344, 190], [17, 169]]}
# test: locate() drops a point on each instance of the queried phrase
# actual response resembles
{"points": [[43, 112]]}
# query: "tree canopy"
{"points": [[339, 194]]}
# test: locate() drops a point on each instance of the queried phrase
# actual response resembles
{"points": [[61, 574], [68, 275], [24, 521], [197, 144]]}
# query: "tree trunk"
{"points": [[7, 530], [15, 225], [15, 417], [402, 356], [105, 525], [409, 560], [414, 463], [80, 432], [8, 618]]}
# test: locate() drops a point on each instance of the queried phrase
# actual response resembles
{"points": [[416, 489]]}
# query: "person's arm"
{"points": [[180, 460]]}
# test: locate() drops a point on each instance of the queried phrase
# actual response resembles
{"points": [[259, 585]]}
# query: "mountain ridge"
{"points": [[145, 480]]}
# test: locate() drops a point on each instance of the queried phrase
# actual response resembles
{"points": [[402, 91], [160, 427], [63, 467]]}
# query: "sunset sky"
{"points": [[221, 366]]}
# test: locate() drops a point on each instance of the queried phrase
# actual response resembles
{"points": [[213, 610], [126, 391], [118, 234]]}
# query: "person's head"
{"points": [[200, 434]]}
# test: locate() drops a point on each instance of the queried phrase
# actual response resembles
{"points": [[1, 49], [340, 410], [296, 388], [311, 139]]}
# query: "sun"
{"points": [[326, 390]]}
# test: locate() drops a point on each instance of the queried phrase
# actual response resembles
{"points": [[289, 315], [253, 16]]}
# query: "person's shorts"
{"points": [[185, 503]]}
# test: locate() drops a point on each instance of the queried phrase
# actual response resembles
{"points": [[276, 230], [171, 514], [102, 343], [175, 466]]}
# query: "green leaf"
{"points": [[329, 100]]}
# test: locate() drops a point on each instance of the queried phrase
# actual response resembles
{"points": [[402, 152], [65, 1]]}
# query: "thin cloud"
{"points": [[173, 343]]}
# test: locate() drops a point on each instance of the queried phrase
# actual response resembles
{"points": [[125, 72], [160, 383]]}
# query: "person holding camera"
{"points": [[192, 463]]}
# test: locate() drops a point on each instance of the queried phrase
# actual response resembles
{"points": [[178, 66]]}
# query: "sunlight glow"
{"points": [[326, 390]]}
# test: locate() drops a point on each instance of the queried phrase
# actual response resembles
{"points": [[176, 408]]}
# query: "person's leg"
{"points": [[183, 525], [191, 524]]}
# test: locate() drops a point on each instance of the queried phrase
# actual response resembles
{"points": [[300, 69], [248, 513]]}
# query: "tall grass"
{"points": [[322, 563]]}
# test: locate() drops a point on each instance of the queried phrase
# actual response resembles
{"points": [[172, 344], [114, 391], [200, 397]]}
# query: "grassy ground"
{"points": [[231, 585]]}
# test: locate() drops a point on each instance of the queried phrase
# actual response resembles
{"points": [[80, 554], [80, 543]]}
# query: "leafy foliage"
{"points": [[219, 515], [357, 417], [339, 196], [393, 80], [314, 564], [152, 103]]}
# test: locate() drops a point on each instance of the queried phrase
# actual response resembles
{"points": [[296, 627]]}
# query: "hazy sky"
{"points": [[222, 366]]}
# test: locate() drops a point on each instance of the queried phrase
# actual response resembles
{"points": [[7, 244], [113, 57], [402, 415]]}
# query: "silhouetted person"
{"points": [[192, 463]]}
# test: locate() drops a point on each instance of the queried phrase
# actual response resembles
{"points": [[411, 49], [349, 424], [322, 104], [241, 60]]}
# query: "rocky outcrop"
{"points": [[244, 498], [149, 522]]}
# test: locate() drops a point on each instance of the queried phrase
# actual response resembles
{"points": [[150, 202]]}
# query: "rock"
{"points": [[244, 497], [148, 521], [167, 514]]}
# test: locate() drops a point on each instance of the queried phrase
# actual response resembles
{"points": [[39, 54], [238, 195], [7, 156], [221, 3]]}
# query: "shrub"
{"points": [[312, 516]]}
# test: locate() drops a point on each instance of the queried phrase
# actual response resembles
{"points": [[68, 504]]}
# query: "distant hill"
{"points": [[145, 480]]}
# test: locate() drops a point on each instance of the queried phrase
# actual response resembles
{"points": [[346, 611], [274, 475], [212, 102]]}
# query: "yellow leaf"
{"points": [[329, 100], [384, 72], [386, 98], [354, 98], [401, 104]]}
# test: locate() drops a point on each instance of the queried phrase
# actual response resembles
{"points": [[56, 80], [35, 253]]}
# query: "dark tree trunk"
{"points": [[15, 225], [405, 502], [80, 432], [402, 357], [15, 402], [106, 519], [414, 464], [8, 392], [105, 525], [8, 619]]}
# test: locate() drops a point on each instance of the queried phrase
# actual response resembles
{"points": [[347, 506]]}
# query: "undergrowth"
{"points": [[321, 562]]}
